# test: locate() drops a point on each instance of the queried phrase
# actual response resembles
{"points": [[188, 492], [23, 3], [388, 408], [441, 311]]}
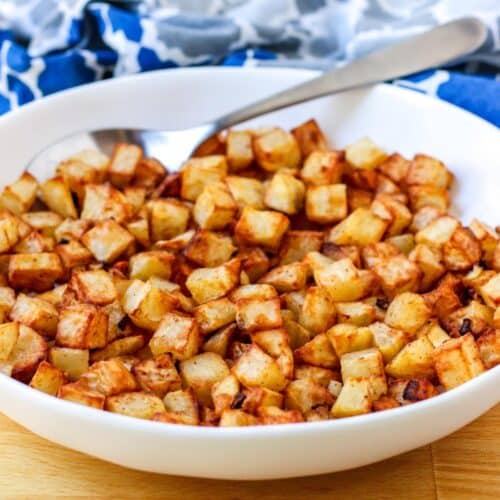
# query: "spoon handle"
{"points": [[431, 49]]}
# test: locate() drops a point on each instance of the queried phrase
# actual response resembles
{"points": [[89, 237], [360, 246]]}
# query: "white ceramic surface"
{"points": [[396, 119]]}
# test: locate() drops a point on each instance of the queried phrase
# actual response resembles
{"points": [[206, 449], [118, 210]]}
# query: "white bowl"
{"points": [[397, 119]]}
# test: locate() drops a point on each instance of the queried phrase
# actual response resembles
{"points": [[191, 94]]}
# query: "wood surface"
{"points": [[463, 466]]}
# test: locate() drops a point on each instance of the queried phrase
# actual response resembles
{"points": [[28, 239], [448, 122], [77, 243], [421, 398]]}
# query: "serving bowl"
{"points": [[398, 120]]}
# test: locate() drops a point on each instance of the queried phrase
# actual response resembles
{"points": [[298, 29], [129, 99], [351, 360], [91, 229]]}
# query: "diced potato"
{"points": [[107, 240], [214, 314], [149, 172], [9, 232], [47, 378], [388, 340], [139, 229], [9, 333], [270, 415], [297, 244], [428, 259], [414, 360], [361, 227], [317, 352], [364, 154], [123, 164], [102, 202], [489, 348], [323, 168], [322, 376], [395, 166], [428, 170], [277, 344], [367, 364], [215, 207], [348, 338], [488, 239], [73, 254], [285, 193], [257, 397], [182, 407], [317, 313], [135, 196], [157, 375], [255, 368], [375, 253], [310, 137], [82, 326], [167, 218], [246, 192], [19, 196], [397, 274], [408, 312], [35, 243], [355, 313], [262, 227], [209, 249], [287, 278], [254, 262], [457, 361], [407, 391], [36, 313], [225, 394], [436, 335], [239, 149], [326, 204], [146, 304], [145, 265], [7, 300], [475, 318], [177, 335], [119, 347], [72, 362], [254, 314], [135, 404], [38, 271], [428, 196], [236, 418], [29, 350], [93, 287], [397, 214], [219, 341], [405, 243], [57, 196], [276, 149], [306, 394], [109, 377], [354, 398], [79, 392], [197, 173], [490, 291], [71, 229], [462, 251]]}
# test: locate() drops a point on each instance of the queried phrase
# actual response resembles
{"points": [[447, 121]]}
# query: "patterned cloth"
{"points": [[51, 45]]}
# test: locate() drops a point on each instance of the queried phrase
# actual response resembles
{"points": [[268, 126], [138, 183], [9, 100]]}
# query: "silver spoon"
{"points": [[434, 48]]}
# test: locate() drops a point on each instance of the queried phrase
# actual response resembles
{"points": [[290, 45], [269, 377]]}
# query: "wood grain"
{"points": [[465, 465]]}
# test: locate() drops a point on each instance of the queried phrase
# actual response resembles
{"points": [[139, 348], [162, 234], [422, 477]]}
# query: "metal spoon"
{"points": [[434, 48]]}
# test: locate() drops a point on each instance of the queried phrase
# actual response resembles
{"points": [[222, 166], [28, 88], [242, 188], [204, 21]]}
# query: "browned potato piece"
{"points": [[103, 201], [396, 213], [428, 196], [395, 166], [408, 312], [414, 360], [47, 378], [135, 404], [215, 207], [407, 391], [475, 318], [361, 227], [254, 262], [167, 218], [254, 314], [489, 348], [219, 341], [209, 249], [214, 314], [9, 333], [317, 352], [397, 274], [276, 149], [285, 193], [461, 251], [389, 340], [226, 394], [326, 204], [36, 313], [73, 254], [197, 173], [139, 229], [236, 418], [57, 196], [364, 154], [119, 347], [9, 232], [297, 244], [30, 348], [323, 168], [79, 392], [123, 164], [425, 169], [148, 173], [145, 265], [306, 394], [271, 415], [20, 196], [428, 259], [310, 137], [347, 338], [318, 310], [37, 271], [354, 398], [93, 287], [157, 375], [72, 362], [246, 192], [182, 408], [107, 240], [287, 278], [239, 150], [355, 313]]}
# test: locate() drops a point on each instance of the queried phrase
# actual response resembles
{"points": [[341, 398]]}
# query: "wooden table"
{"points": [[465, 466]]}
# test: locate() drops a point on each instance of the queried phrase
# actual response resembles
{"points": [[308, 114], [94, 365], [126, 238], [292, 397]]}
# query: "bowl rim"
{"points": [[86, 414]]}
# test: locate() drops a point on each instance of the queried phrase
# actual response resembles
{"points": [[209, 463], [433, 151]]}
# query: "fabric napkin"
{"points": [[51, 45]]}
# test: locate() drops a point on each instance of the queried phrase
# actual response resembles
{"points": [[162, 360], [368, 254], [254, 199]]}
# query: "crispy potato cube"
{"points": [[388, 340], [317, 313], [436, 335], [276, 343], [405, 243], [239, 150], [214, 314], [72, 362], [119, 347], [107, 240], [428, 170], [78, 392], [73, 254], [297, 244], [255, 368], [109, 377], [236, 418], [197, 173], [310, 137], [428, 259], [9, 333], [254, 314], [355, 313], [103, 201], [327, 203], [71, 229], [123, 164], [36, 313], [9, 232], [347, 338], [424, 216], [364, 154], [219, 341], [457, 361], [57, 196], [149, 172], [37, 271], [209, 249], [135, 404], [361, 227], [428, 196], [269, 415], [396, 213], [201, 372], [321, 376], [375, 253], [475, 318], [414, 360], [93, 287], [168, 218], [82, 326], [306, 394], [35, 243], [182, 407], [323, 168], [210, 283], [47, 378], [7, 300], [19, 196], [405, 391], [354, 398], [397, 274], [157, 375], [135, 196], [29, 349], [343, 281], [462, 251], [246, 192], [139, 229], [226, 394], [490, 291], [437, 232], [256, 397], [317, 352], [489, 348], [285, 193], [177, 335], [369, 364], [487, 237], [287, 278], [408, 312], [215, 207], [276, 149], [395, 166], [146, 304], [262, 227], [254, 262], [145, 265]]}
